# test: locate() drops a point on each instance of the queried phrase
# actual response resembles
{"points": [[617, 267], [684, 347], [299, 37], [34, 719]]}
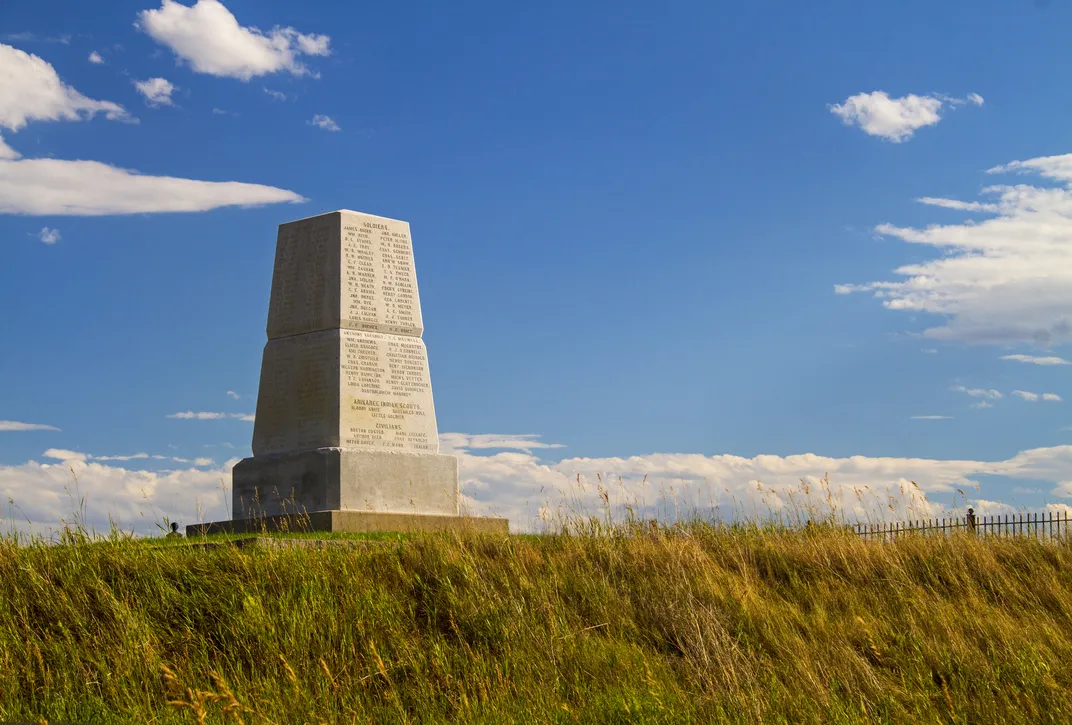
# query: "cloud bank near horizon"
{"points": [[502, 476]]}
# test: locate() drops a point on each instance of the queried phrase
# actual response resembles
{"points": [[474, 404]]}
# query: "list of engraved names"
{"points": [[386, 393], [378, 280]]}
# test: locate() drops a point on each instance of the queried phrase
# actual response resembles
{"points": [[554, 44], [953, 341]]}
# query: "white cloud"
{"points": [[45, 494], [1035, 360], [1004, 280], [191, 415], [133, 457], [1035, 397], [276, 95], [30, 89], [983, 404], [957, 205], [929, 351], [992, 508], [6, 152], [932, 417], [62, 454], [15, 425], [49, 236], [978, 392], [95, 58], [519, 485], [522, 442], [210, 39], [1062, 510], [157, 91], [233, 394], [894, 119], [91, 188], [324, 122]]}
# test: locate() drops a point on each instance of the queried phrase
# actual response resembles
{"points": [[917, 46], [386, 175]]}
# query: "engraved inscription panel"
{"points": [[298, 400], [379, 282], [305, 279], [386, 394], [345, 388]]}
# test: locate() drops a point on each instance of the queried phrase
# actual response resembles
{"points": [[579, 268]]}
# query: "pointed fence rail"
{"points": [[1046, 525]]}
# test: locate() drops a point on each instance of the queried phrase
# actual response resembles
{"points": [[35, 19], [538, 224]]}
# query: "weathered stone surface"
{"points": [[345, 270], [359, 390], [341, 479]]}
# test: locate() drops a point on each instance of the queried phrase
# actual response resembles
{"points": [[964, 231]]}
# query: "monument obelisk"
{"points": [[345, 434]]}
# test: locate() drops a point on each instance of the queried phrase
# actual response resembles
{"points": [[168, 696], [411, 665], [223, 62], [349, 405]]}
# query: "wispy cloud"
{"points": [[1035, 397], [157, 91], [15, 425], [192, 415], [56, 187], [1004, 280], [991, 394], [96, 58], [1036, 360], [520, 442], [324, 122], [958, 205], [49, 236], [26, 37], [932, 417], [896, 119], [132, 457]]}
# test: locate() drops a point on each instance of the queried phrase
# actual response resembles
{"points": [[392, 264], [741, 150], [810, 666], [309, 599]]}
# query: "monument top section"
{"points": [[344, 270]]}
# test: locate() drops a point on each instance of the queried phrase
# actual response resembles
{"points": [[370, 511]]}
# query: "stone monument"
{"points": [[345, 434]]}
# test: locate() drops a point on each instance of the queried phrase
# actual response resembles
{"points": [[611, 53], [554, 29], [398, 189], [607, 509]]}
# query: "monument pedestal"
{"points": [[345, 435], [331, 479], [340, 490], [354, 522]]}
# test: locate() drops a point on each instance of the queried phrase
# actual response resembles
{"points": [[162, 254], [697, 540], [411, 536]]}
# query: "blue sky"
{"points": [[710, 245]]}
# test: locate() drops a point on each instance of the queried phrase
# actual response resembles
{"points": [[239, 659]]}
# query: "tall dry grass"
{"points": [[619, 624]]}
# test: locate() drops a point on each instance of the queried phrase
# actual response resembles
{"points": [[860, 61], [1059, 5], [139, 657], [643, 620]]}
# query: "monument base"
{"points": [[354, 522], [339, 479]]}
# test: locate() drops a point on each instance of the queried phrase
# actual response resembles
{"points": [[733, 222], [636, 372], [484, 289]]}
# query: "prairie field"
{"points": [[694, 623]]}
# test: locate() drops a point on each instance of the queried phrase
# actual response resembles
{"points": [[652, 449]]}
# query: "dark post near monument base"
{"points": [[345, 435]]}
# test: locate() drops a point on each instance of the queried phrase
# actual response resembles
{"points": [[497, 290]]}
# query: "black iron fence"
{"points": [[1047, 524]]}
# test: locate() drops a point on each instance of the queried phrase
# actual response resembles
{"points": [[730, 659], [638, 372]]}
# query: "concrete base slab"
{"points": [[354, 522], [339, 479]]}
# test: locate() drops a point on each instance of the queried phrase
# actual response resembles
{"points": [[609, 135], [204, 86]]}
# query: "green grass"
{"points": [[698, 624]]}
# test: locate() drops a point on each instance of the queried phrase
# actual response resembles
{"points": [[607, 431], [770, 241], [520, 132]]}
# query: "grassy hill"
{"points": [[697, 624]]}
